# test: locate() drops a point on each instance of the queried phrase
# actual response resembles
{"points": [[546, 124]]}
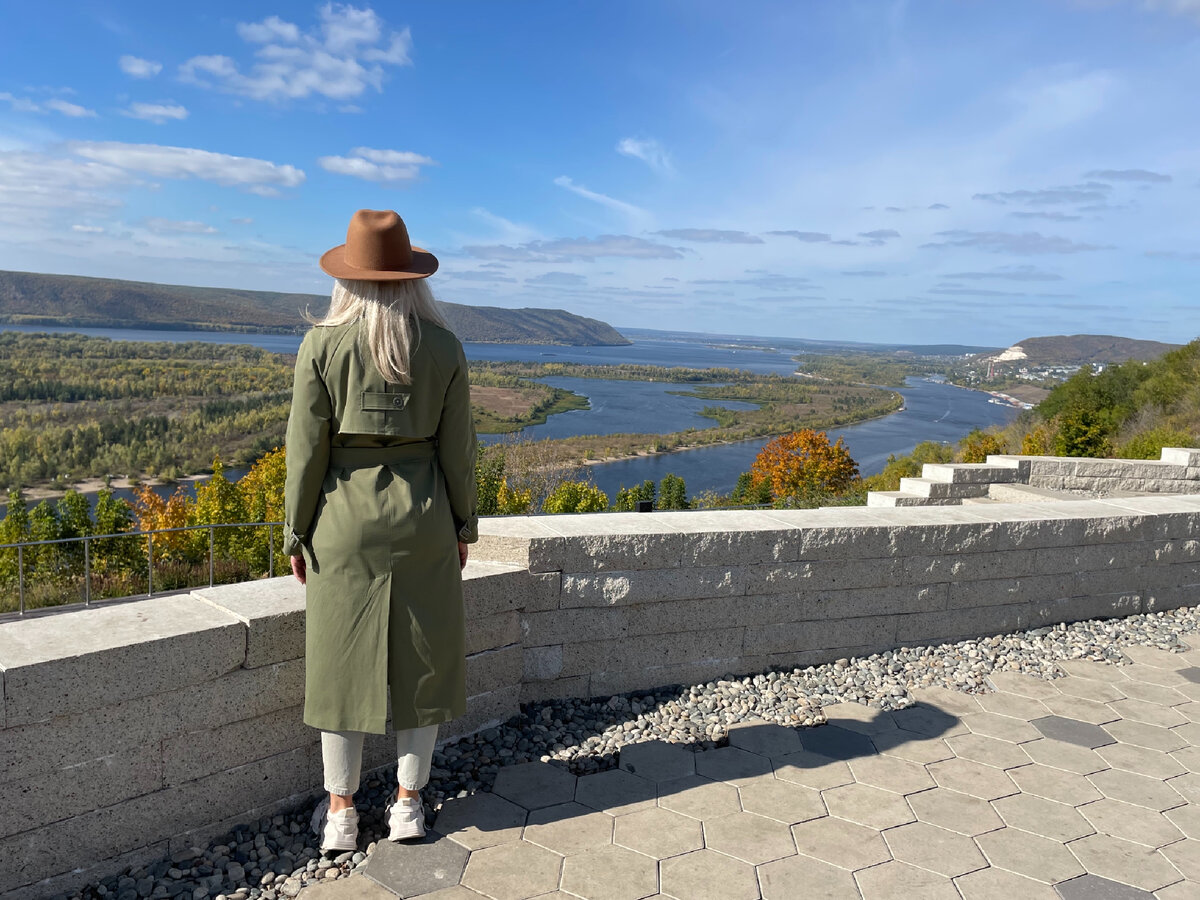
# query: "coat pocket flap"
{"points": [[375, 401]]}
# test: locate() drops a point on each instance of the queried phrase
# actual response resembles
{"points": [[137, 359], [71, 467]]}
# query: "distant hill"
{"points": [[29, 298], [1077, 350]]}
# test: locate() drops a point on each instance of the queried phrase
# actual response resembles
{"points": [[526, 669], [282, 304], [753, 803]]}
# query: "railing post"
{"points": [[21, 576], [87, 574], [271, 550], [211, 533], [150, 567]]}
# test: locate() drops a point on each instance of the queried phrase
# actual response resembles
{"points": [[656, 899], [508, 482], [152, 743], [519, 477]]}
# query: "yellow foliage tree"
{"points": [[803, 467], [978, 445]]}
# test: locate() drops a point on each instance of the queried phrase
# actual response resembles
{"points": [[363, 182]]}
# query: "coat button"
{"points": [[398, 402]]}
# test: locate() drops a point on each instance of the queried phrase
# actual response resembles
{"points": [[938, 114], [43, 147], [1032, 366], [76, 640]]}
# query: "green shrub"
{"points": [[575, 497]]}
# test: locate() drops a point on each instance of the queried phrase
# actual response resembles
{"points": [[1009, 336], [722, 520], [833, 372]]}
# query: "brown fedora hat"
{"points": [[377, 249]]}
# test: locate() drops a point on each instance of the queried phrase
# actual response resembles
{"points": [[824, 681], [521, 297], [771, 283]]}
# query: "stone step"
{"points": [[1180, 456], [969, 473], [903, 498], [1024, 493], [942, 490]]}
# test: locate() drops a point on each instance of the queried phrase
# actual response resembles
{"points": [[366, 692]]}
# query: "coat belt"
{"points": [[368, 457]]}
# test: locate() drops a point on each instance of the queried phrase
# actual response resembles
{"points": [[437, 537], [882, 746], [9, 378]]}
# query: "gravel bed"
{"points": [[276, 857]]}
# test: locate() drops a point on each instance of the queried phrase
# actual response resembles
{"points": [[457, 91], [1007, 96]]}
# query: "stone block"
{"points": [[543, 591], [62, 793], [206, 834], [942, 490], [484, 711], [1160, 598], [821, 575], [45, 746], [194, 754], [543, 663], [739, 546], [625, 547], [1008, 591], [507, 538], [958, 567], [561, 625], [557, 689], [844, 542], [619, 681], [625, 588], [645, 651], [955, 624], [491, 670], [1180, 456], [788, 637], [63, 663], [493, 588], [272, 610], [849, 604], [81, 875], [490, 632]]}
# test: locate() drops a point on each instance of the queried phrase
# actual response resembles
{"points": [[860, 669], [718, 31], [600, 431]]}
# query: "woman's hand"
{"points": [[462, 555], [299, 569]]}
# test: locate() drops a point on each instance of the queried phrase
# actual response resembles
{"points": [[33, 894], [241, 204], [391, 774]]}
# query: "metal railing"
{"points": [[87, 540]]}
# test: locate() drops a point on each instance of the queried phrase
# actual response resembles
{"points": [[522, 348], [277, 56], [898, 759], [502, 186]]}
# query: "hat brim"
{"points": [[334, 263]]}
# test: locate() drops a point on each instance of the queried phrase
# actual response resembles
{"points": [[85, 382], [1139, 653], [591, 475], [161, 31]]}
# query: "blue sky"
{"points": [[881, 171]]}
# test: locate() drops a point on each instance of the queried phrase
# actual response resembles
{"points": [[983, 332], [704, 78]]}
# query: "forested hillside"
{"points": [[35, 299]]}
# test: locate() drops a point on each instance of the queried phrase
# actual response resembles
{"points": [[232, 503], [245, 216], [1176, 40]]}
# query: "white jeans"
{"points": [[341, 752]]}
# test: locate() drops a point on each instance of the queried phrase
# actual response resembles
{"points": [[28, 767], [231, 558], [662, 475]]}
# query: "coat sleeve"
{"points": [[307, 451], [456, 451]]}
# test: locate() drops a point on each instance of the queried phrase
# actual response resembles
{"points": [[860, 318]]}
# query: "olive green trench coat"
{"points": [[380, 487]]}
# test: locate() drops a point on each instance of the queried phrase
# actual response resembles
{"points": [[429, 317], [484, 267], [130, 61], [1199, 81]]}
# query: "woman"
{"points": [[380, 488]]}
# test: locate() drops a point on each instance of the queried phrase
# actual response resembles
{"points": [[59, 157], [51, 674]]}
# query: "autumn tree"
{"points": [[979, 444], [803, 467]]}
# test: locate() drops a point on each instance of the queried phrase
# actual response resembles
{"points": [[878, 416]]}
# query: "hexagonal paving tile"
{"points": [[1188, 786], [1072, 731], [1185, 856], [1096, 671], [836, 743], [1029, 854], [1093, 887], [1140, 790], [933, 848], [414, 868], [707, 875], [954, 702], [658, 760], [928, 721], [1154, 675], [1068, 757], [803, 876], [1091, 711], [1055, 784], [954, 811], [512, 871], [1038, 815], [923, 750], [1189, 710], [616, 792], [859, 717], [748, 837], [1153, 693], [568, 828], [1191, 673], [1180, 890], [997, 884], [731, 764], [812, 770], [1004, 728], [867, 805], [534, 784], [1152, 656], [610, 873], [842, 843], [1089, 689], [659, 833], [1012, 705], [989, 751], [897, 879], [1188, 757], [1190, 732], [1149, 713], [1131, 823], [974, 778], [1186, 819], [480, 820], [698, 797], [1124, 862], [764, 738], [1189, 689], [782, 801], [1154, 737], [1154, 763], [891, 773], [1022, 685]]}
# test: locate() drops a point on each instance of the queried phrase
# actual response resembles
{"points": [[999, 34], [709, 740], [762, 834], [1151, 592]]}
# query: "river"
{"points": [[933, 410]]}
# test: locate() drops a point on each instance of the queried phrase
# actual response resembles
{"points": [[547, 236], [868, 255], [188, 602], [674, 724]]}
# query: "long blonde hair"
{"points": [[393, 311]]}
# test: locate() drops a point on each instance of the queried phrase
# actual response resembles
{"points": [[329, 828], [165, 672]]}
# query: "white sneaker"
{"points": [[406, 819], [337, 831]]}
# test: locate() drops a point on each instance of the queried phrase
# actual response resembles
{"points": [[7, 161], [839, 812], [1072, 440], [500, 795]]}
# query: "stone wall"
{"points": [[139, 728]]}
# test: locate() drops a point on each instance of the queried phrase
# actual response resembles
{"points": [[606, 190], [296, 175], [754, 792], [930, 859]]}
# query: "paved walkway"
{"points": [[1080, 788]]}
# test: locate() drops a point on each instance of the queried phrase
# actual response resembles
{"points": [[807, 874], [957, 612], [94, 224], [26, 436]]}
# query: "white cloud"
{"points": [[1091, 192], [19, 104], [567, 249], [88, 229], [256, 175], [1175, 7], [1030, 242], [711, 235], [649, 151], [1010, 273], [34, 185], [603, 199], [340, 58], [155, 112], [242, 220], [558, 279], [139, 68], [74, 110], [168, 226], [809, 237], [1142, 175], [384, 166]]}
